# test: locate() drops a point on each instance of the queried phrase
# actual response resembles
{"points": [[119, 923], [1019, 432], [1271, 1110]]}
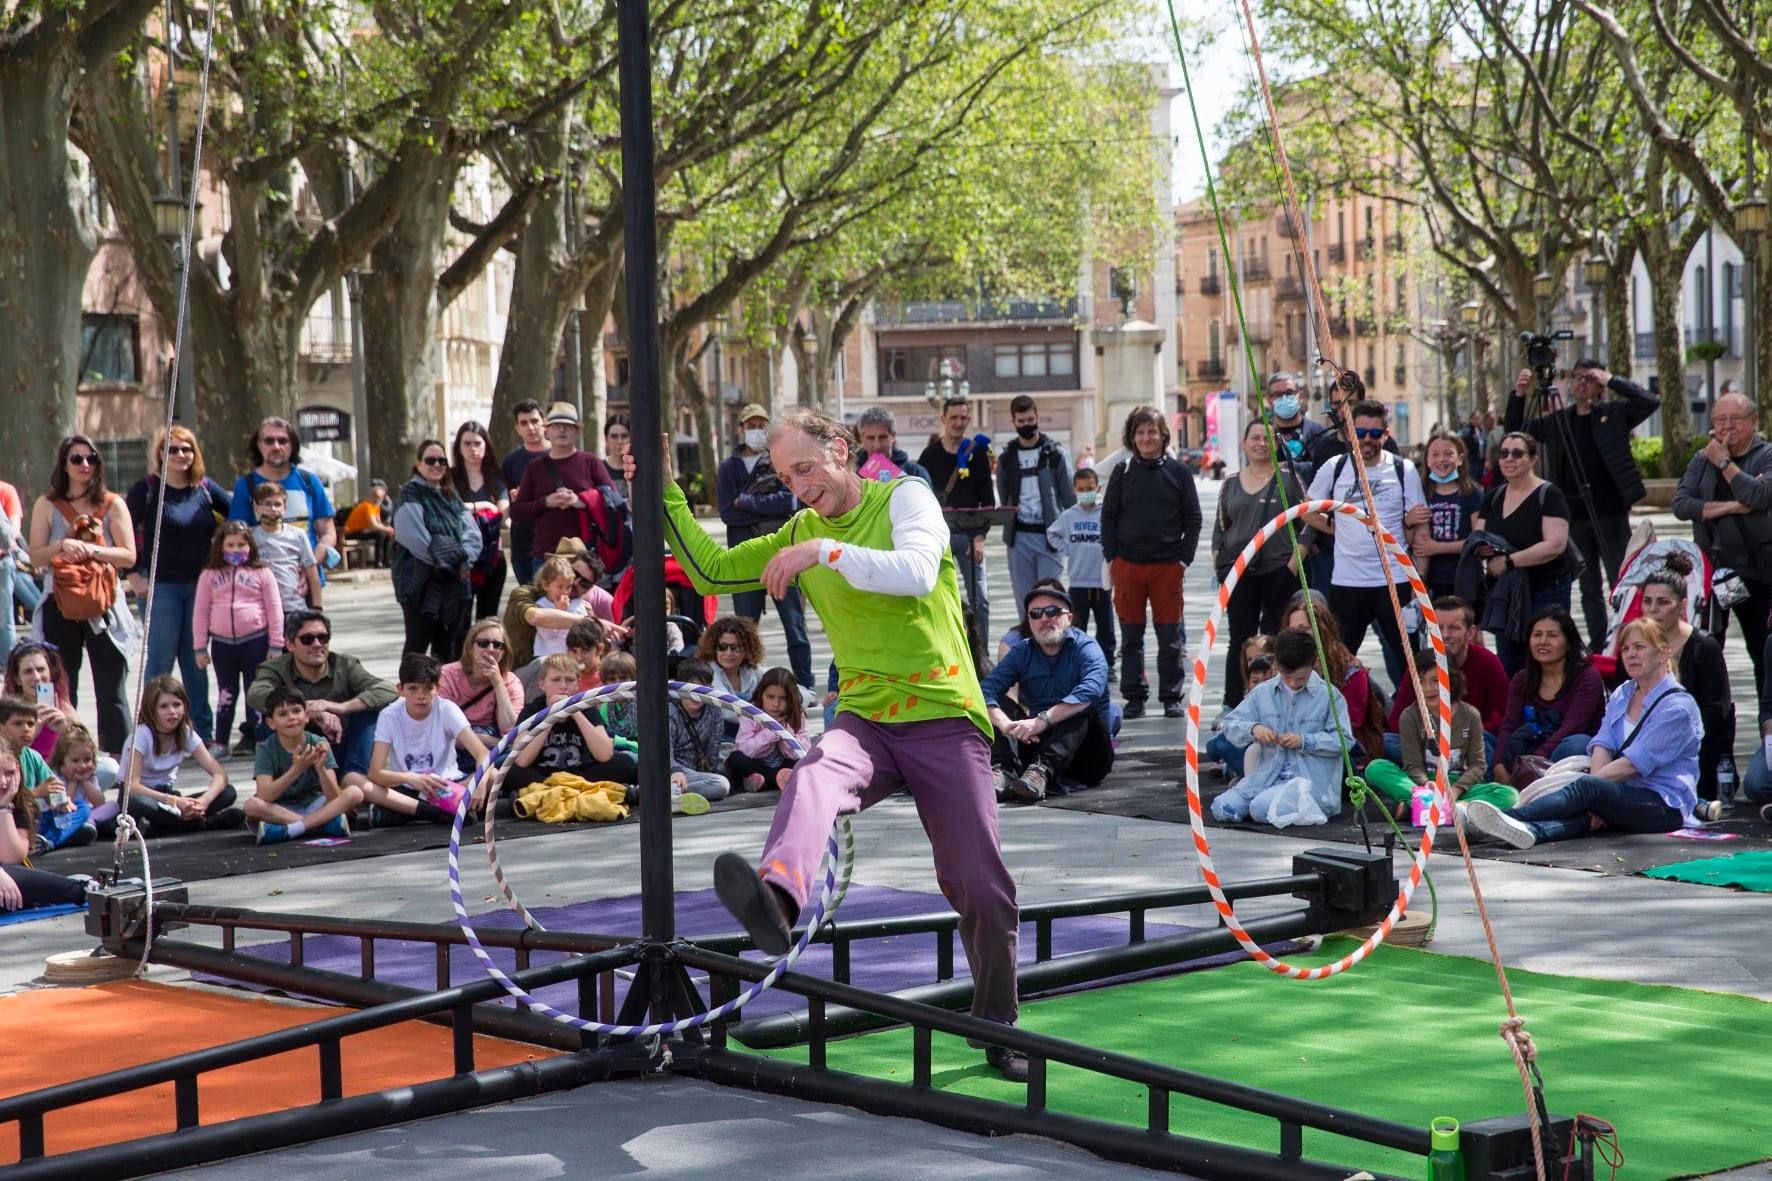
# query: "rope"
{"points": [[840, 847], [127, 831]]}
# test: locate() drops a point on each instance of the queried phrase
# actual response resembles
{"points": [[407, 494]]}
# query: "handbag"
{"points": [[84, 588]]}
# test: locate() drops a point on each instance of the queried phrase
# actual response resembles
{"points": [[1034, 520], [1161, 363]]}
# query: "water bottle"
{"points": [[1445, 1162], [1726, 781]]}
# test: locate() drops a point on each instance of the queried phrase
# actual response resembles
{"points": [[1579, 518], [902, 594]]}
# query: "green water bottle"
{"points": [[1445, 1162]]}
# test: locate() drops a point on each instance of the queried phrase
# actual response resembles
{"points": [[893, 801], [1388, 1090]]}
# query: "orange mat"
{"points": [[63, 1034]]}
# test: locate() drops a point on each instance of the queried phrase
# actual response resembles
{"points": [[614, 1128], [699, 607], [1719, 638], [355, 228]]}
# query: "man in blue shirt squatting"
{"points": [[873, 558], [1059, 729]]}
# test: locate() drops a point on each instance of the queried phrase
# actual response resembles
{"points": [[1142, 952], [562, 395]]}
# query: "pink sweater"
{"points": [[236, 603], [760, 742]]}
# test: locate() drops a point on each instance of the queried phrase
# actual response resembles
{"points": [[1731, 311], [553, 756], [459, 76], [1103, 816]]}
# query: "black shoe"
{"points": [[226, 818], [1031, 787], [1174, 709], [1011, 1064], [245, 748], [753, 903], [1134, 709]]}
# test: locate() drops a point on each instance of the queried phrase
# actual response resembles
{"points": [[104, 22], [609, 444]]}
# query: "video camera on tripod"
{"points": [[1541, 354]]}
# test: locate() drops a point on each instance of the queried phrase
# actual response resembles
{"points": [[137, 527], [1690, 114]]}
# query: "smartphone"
{"points": [[46, 693]]}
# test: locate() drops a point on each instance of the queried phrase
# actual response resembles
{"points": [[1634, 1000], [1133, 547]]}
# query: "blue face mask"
{"points": [[1286, 406], [1450, 477]]}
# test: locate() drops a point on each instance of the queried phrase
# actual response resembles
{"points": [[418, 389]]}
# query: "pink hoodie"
{"points": [[758, 741], [236, 602]]}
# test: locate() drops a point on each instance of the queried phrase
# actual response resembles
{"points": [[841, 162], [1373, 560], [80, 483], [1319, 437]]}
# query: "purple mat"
{"points": [[884, 965]]}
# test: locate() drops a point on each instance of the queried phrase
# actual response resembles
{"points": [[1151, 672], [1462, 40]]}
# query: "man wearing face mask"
{"points": [[1033, 476], [1295, 433], [754, 501]]}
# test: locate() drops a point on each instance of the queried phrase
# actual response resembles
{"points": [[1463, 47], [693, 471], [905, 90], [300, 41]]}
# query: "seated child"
{"points": [[57, 818], [164, 738], [586, 643], [617, 716], [75, 761], [557, 610], [1468, 765], [696, 733], [761, 758], [1258, 665], [413, 772], [297, 778], [20, 886], [1287, 720], [578, 745]]}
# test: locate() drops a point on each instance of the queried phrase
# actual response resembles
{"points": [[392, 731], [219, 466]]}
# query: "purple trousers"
{"points": [[946, 765]]}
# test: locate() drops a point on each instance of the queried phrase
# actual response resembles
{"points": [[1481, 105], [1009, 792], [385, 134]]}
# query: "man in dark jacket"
{"points": [[754, 501], [1726, 492], [1033, 476], [1150, 528], [1587, 455], [878, 432], [964, 485]]}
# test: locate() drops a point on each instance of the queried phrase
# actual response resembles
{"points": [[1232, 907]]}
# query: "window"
{"points": [[1212, 260], [1212, 341], [1007, 360], [1731, 289], [109, 349], [895, 365], [1042, 359]]}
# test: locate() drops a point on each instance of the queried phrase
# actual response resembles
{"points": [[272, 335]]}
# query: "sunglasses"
{"points": [[1513, 453], [490, 645], [314, 639], [1052, 612], [434, 461], [181, 449], [85, 459], [729, 647], [274, 442], [1368, 432]]}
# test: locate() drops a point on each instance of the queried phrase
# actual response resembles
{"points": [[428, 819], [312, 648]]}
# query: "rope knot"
{"points": [[1357, 790], [1513, 1032]]}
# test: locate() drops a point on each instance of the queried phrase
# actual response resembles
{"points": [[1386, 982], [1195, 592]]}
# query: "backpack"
{"points": [[84, 588]]}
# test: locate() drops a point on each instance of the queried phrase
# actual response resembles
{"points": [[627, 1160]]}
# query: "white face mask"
{"points": [[756, 440]]}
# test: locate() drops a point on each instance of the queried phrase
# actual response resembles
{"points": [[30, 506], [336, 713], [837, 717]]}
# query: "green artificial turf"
{"points": [[1406, 1035], [1750, 871]]}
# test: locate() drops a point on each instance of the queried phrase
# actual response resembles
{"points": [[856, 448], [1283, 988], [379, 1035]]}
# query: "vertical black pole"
{"points": [[641, 249]]}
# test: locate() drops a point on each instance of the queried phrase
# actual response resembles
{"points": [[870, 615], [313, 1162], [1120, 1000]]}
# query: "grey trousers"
{"points": [[1030, 560]]}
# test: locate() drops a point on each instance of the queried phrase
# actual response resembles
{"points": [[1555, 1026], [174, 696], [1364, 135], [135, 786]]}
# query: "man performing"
{"points": [[874, 559]]}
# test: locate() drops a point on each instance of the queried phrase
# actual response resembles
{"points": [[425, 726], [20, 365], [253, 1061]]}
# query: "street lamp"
{"points": [[1595, 270], [1543, 286], [1470, 312], [810, 347], [169, 224]]}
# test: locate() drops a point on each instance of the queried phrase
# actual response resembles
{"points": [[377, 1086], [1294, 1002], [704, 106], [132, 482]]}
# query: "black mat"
{"points": [[1147, 785], [202, 856]]}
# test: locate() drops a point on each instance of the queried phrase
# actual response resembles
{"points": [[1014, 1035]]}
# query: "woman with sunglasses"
{"points": [[483, 490], [733, 648], [1532, 516], [77, 489], [195, 505], [435, 545], [483, 685], [1246, 502]]}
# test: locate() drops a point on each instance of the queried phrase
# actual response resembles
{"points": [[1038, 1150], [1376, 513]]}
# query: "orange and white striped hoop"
{"points": [[1441, 810]]}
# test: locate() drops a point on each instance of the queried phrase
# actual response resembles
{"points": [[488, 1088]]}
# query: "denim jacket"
{"points": [[1305, 713]]}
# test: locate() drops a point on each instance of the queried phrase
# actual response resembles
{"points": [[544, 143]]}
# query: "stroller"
{"points": [[689, 612], [1643, 555]]}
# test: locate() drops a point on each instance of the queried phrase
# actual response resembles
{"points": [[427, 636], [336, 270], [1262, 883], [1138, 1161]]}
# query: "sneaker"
{"points": [[1174, 709], [219, 751], [1709, 811], [86, 834], [338, 826], [271, 834], [1003, 783], [1491, 821], [226, 818], [753, 782], [246, 747], [688, 803], [378, 817], [40, 845], [1011, 1064], [753, 902], [1134, 709], [1032, 784]]}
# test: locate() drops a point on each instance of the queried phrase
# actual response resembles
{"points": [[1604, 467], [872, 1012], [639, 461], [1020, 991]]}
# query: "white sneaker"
{"points": [[1491, 821]]}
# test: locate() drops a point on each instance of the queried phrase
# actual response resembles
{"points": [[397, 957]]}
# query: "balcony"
{"points": [[1209, 284], [1393, 243], [1729, 336], [975, 311], [1255, 270], [1260, 332], [1295, 347], [328, 340], [1645, 347], [1338, 252], [1286, 227], [1337, 325], [1368, 248], [1289, 287], [1366, 325], [1214, 367]]}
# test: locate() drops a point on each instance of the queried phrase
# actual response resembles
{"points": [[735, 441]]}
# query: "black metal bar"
{"points": [[522, 957], [840, 957], [30, 1137], [1291, 1140], [442, 965], [815, 1025], [462, 1027], [367, 950], [720, 990], [920, 1064], [640, 248], [232, 918], [227, 939], [1042, 939], [298, 1037], [782, 1029], [944, 954], [924, 1018], [493, 1019], [1199, 1158], [332, 1071], [295, 948], [1157, 1117], [1135, 928], [280, 1129], [606, 998], [184, 1100], [1036, 1083]]}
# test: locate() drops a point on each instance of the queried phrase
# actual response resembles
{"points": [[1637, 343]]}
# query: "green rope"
{"points": [[1359, 794]]}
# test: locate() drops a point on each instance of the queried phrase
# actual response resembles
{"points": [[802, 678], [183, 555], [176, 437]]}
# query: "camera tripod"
{"points": [[1545, 404]]}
